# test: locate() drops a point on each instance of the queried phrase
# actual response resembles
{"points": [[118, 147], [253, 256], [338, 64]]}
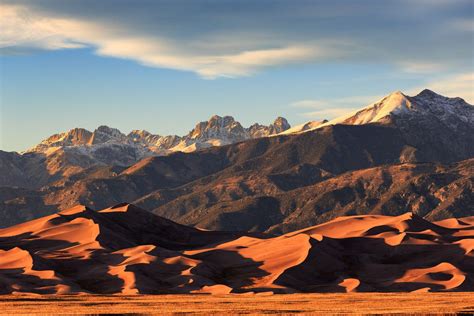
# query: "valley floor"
{"points": [[323, 304]]}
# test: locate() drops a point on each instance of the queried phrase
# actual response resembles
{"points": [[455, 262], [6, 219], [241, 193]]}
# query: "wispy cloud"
{"points": [[420, 67], [23, 27], [215, 39]]}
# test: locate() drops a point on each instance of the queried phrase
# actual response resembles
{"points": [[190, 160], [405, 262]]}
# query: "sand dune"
{"points": [[127, 250]]}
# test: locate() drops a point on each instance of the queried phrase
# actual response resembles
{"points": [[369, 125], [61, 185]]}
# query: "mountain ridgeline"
{"points": [[65, 154], [400, 154]]}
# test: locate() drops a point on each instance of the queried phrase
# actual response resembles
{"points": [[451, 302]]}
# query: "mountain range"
{"points": [[217, 131], [400, 154], [68, 153]]}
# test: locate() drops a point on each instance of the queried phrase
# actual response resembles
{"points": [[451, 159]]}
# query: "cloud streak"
{"points": [[21, 27]]}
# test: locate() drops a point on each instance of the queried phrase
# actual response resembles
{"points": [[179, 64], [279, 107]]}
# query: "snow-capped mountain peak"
{"points": [[427, 105], [109, 145], [393, 104]]}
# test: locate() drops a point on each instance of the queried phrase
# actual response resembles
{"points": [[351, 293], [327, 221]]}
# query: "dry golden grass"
{"points": [[323, 304]]}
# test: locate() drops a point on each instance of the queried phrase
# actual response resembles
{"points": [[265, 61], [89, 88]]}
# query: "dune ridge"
{"points": [[127, 250]]}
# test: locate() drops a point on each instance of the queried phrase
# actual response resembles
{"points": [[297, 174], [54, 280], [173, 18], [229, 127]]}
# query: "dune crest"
{"points": [[127, 250]]}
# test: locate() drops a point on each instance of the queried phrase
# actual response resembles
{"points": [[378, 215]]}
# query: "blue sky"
{"points": [[165, 65]]}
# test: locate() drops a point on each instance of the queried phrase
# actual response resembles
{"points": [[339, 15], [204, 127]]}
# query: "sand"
{"points": [[128, 251]]}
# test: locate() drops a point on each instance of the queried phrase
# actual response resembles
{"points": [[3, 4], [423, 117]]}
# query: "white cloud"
{"points": [[21, 27], [421, 67], [222, 42]]}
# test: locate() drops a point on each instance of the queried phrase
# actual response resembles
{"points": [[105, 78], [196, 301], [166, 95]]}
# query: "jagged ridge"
{"points": [[216, 131]]}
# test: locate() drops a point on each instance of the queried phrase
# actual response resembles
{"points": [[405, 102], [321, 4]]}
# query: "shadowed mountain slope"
{"points": [[272, 203]]}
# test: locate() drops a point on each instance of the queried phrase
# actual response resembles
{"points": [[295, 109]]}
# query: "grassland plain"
{"points": [[452, 303]]}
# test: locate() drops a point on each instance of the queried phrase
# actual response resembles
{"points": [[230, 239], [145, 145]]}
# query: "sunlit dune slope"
{"points": [[127, 250]]}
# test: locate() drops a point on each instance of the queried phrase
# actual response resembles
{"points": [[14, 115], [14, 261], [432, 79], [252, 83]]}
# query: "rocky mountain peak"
{"points": [[427, 93], [105, 134], [75, 136], [138, 133], [142, 136], [428, 96], [221, 122], [224, 128], [112, 132], [279, 125], [218, 130]]}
